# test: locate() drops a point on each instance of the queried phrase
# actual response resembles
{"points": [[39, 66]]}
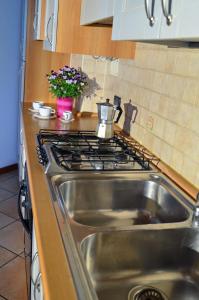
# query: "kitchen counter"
{"points": [[56, 275]]}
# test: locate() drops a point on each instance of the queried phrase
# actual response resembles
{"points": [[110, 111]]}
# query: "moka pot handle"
{"points": [[119, 114]]}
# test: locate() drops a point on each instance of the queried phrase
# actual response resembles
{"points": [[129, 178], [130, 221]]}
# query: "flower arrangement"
{"points": [[67, 82]]}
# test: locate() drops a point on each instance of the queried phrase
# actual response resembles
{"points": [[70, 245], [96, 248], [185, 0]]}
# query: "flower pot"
{"points": [[64, 104]]}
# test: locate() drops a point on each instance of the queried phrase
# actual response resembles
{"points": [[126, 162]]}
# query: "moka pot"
{"points": [[106, 114]]}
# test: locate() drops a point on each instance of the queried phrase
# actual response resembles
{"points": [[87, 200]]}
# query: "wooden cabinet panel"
{"points": [[93, 40], [38, 64]]}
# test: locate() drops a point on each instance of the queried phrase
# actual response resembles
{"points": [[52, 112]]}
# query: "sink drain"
{"points": [[146, 293]]}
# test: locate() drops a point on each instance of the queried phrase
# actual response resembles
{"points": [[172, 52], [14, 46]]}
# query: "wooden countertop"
{"points": [[56, 276]]}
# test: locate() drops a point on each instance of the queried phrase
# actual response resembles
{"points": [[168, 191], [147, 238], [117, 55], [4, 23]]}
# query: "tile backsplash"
{"points": [[163, 83]]}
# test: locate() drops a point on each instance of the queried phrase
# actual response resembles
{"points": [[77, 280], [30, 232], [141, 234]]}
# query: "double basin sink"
{"points": [[128, 236]]}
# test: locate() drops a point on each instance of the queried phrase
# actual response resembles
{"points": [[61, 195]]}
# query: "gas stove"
{"points": [[84, 151]]}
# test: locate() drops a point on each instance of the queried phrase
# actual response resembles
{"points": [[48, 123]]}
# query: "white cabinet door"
{"points": [[51, 25], [93, 11], [188, 24], [37, 20], [171, 19], [137, 20]]}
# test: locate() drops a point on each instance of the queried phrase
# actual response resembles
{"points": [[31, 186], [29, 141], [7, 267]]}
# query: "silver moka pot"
{"points": [[106, 114]]}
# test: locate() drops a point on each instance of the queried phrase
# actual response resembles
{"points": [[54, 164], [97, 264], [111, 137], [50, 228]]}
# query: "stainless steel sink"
{"points": [[154, 264], [122, 201], [123, 236]]}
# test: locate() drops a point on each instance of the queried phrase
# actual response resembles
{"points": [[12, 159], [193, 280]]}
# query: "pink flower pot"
{"points": [[64, 104]]}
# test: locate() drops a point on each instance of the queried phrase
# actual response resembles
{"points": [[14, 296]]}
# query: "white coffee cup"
{"points": [[46, 111], [37, 104], [67, 115]]}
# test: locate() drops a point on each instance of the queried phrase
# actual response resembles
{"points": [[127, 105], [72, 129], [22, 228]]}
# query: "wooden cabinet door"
{"points": [[51, 25], [131, 22], [94, 11], [91, 40]]}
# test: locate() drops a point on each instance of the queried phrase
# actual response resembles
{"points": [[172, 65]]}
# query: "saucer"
{"points": [[38, 116], [66, 121], [32, 110]]}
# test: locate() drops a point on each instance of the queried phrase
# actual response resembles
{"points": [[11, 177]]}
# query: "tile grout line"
{"points": [[8, 261], [12, 194], [9, 216], [3, 297], [8, 225], [11, 251], [5, 214], [6, 190], [16, 256]]}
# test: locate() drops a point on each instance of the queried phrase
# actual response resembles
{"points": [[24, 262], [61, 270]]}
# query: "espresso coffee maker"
{"points": [[106, 114]]}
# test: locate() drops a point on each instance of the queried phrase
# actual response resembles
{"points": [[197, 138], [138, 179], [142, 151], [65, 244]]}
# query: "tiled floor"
{"points": [[12, 262]]}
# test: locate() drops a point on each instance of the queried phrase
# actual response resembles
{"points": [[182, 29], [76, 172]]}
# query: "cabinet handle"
{"points": [[150, 12], [35, 23], [47, 29], [37, 285], [167, 12], [22, 192], [32, 264]]}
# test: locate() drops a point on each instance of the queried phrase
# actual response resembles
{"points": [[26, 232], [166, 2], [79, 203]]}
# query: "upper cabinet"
{"points": [[185, 21], [64, 33], [39, 20], [95, 11], [156, 20], [51, 20], [136, 20]]}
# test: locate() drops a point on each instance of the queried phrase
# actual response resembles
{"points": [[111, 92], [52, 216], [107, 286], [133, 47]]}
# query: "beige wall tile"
{"points": [[190, 91], [184, 115], [169, 134], [166, 153], [158, 126], [177, 159], [193, 66], [189, 169], [164, 85], [181, 62]]}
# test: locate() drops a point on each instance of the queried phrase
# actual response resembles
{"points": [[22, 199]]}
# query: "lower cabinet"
{"points": [[36, 276]]}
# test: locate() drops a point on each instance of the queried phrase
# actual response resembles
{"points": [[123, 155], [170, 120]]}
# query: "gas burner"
{"points": [[83, 150], [121, 157]]}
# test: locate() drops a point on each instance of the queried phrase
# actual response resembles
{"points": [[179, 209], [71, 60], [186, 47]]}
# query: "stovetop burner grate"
{"points": [[83, 150]]}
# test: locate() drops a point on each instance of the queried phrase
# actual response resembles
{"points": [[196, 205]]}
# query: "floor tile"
{"points": [[9, 207], [13, 280], [11, 185], [5, 220], [12, 237], [4, 195], [5, 256], [22, 254], [8, 175]]}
